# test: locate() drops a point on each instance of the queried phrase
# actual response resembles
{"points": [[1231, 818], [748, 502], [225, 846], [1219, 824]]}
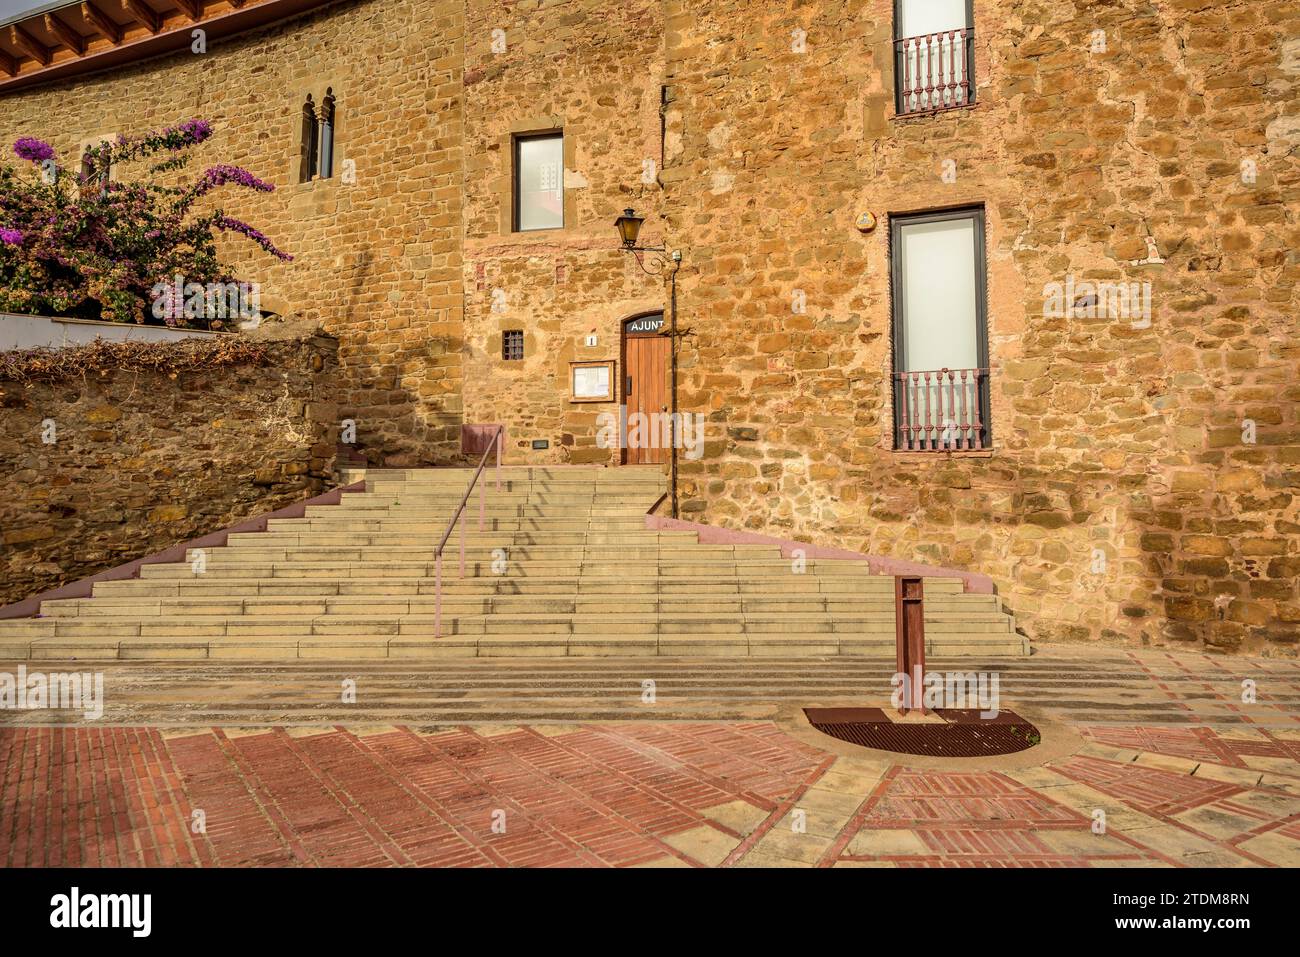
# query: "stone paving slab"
{"points": [[1142, 694]]}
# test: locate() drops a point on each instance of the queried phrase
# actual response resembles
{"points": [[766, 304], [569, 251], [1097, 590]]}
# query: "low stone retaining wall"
{"points": [[117, 451]]}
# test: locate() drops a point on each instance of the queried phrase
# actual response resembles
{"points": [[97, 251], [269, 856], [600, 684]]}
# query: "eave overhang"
{"points": [[62, 40]]}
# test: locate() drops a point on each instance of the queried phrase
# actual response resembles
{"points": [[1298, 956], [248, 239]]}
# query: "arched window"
{"points": [[310, 140], [327, 135]]}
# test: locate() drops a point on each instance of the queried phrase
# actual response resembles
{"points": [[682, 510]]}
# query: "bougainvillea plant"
{"points": [[94, 246]]}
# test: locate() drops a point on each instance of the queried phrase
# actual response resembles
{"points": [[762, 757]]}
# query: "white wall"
{"points": [[31, 332]]}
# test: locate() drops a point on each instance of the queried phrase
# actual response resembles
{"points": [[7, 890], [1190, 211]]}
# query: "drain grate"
{"points": [[963, 734]]}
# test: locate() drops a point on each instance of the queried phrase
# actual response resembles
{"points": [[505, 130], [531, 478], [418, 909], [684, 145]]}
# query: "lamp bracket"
{"points": [[659, 262]]}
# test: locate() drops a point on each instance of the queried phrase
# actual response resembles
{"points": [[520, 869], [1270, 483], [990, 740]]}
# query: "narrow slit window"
{"points": [[327, 135], [310, 141]]}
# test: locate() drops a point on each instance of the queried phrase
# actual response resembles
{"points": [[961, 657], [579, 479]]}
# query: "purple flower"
{"points": [[11, 237], [223, 173], [256, 235], [197, 130], [33, 150]]}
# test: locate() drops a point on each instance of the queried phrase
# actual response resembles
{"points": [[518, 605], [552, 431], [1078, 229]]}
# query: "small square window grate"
{"points": [[512, 344]]}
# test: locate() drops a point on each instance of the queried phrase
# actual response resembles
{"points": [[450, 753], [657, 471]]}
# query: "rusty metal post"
{"points": [[909, 625], [437, 594]]}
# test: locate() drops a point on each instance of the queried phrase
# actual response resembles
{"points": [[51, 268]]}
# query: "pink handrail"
{"points": [[497, 439]]}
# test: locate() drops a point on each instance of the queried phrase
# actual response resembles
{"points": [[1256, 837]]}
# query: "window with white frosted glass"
{"points": [[939, 316], [539, 182], [941, 386]]}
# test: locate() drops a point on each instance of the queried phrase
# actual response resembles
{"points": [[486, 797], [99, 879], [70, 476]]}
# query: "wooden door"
{"points": [[645, 391]]}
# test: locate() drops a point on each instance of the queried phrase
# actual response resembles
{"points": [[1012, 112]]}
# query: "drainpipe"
{"points": [[672, 333]]}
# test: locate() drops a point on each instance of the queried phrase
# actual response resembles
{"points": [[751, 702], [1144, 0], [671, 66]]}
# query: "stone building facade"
{"points": [[1139, 480]]}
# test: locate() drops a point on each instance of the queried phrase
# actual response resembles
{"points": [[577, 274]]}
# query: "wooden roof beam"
{"points": [[34, 47], [8, 63], [69, 37], [106, 26], [191, 8], [144, 15]]}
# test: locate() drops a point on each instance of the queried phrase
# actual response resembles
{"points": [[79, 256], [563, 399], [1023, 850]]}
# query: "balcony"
{"points": [[934, 72], [943, 410]]}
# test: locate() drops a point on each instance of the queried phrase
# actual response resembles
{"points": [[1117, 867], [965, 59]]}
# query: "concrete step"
{"points": [[539, 585], [626, 475], [268, 550], [434, 513], [644, 497], [219, 565], [515, 476], [557, 501], [514, 482], [676, 622], [316, 538], [346, 648], [972, 606], [340, 522]]}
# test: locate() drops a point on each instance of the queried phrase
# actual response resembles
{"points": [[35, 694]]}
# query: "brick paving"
{"points": [[631, 793]]}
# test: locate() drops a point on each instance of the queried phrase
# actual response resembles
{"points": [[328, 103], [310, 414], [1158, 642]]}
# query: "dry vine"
{"points": [[54, 365]]}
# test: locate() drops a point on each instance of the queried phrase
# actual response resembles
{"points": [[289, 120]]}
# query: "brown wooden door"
{"points": [[645, 390]]}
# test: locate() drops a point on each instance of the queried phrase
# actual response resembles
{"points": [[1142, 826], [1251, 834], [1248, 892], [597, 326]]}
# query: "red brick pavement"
{"points": [[588, 796], [1199, 744], [967, 819], [597, 796], [1157, 792]]}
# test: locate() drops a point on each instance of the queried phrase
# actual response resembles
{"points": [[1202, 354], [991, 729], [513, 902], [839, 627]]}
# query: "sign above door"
{"points": [[644, 325]]}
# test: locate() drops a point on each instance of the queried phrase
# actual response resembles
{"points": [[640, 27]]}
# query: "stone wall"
{"points": [[101, 469], [1109, 440], [592, 69]]}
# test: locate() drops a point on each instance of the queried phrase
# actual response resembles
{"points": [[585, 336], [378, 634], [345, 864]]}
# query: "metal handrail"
{"points": [[497, 439]]}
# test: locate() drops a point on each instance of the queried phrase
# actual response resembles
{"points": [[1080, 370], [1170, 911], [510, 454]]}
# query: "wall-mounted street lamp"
{"points": [[629, 227], [629, 231]]}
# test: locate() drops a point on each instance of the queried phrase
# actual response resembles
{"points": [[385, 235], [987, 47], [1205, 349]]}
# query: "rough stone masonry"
{"points": [[104, 467], [1123, 141]]}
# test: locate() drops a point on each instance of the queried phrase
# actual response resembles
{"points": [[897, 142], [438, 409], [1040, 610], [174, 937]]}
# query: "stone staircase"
{"points": [[564, 566]]}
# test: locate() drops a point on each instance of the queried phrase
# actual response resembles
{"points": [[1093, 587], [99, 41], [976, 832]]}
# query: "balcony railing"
{"points": [[934, 72], [943, 410]]}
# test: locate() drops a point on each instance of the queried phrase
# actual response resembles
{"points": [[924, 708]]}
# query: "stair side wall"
{"points": [[137, 462]]}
